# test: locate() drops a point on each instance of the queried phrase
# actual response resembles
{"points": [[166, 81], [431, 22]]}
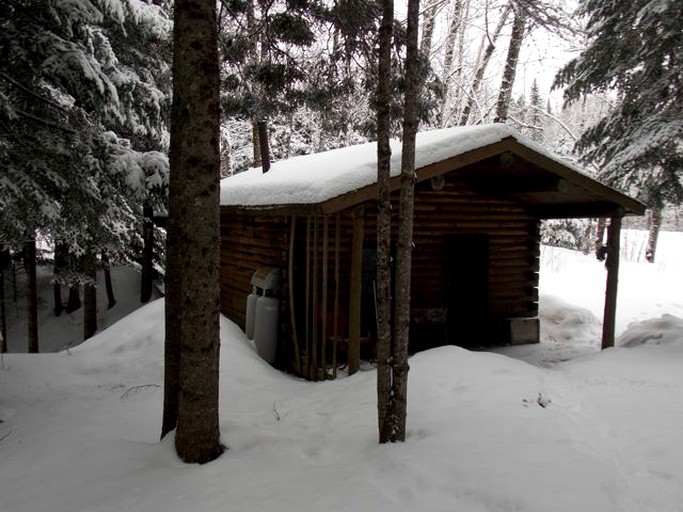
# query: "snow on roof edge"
{"points": [[319, 177]]}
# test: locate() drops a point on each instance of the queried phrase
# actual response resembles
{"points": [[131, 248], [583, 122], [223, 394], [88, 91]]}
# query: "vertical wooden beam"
{"points": [[612, 264], [307, 307], [353, 353], [314, 309], [323, 336], [292, 309], [335, 328]]}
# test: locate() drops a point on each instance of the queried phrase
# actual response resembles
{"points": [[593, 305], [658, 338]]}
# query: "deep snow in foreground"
{"points": [[486, 432]]}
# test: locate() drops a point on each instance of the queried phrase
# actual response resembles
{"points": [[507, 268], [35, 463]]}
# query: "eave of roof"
{"points": [[588, 198]]}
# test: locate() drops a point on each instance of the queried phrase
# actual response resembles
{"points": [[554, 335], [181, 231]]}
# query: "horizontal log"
{"points": [[523, 294]]}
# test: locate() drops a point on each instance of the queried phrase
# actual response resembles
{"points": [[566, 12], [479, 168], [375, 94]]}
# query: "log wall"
{"points": [[514, 249], [249, 242]]}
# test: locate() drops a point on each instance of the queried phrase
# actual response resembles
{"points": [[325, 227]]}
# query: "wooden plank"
{"points": [[323, 349], [314, 306], [335, 329], [353, 353], [292, 302], [307, 310]]}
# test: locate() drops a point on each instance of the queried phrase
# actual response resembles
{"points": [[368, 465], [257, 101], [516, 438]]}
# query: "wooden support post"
{"points": [[314, 309], [335, 328], [353, 353], [323, 320], [292, 310], [612, 264], [307, 307]]}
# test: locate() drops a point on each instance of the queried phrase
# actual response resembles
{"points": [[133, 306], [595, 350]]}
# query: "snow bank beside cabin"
{"points": [[666, 330]]}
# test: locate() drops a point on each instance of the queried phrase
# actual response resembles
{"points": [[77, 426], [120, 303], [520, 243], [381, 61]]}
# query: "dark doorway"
{"points": [[467, 279]]}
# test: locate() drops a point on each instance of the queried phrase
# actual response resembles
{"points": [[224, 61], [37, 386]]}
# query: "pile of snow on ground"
{"points": [[587, 430]]}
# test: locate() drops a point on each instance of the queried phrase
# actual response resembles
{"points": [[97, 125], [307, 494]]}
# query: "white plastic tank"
{"points": [[251, 313], [266, 327]]}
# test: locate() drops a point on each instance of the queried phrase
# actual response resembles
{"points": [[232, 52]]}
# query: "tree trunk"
{"points": [[405, 232], [106, 265], [14, 282], [32, 294], [60, 263], [612, 264], [256, 144], [384, 222], [173, 308], [264, 145], [147, 273], [226, 156], [57, 296], [600, 237], [518, 26], [655, 225], [481, 68], [4, 263], [193, 231], [451, 39], [428, 28], [73, 303], [89, 296]]}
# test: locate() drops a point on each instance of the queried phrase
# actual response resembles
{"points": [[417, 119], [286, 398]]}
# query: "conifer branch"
{"points": [[46, 122], [32, 93]]}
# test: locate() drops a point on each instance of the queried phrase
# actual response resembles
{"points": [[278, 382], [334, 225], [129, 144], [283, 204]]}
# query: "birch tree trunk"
{"points": [[428, 27], [483, 64], [193, 230], [404, 250], [384, 394], [518, 27], [454, 29]]}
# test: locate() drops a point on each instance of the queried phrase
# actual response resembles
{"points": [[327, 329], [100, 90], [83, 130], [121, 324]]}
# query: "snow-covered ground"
{"points": [[598, 431], [65, 331]]}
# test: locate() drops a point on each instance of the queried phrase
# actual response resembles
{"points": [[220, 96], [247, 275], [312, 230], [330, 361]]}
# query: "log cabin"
{"points": [[304, 234]]}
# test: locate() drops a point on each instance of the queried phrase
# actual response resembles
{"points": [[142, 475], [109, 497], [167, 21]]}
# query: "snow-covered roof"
{"points": [[317, 178]]}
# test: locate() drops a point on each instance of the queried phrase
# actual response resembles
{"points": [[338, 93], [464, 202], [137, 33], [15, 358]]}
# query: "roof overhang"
{"points": [[509, 169]]}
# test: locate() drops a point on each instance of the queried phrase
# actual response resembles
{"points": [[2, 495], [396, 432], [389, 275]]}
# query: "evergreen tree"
{"points": [[81, 108], [635, 49], [536, 112], [82, 121], [264, 46], [313, 80]]}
